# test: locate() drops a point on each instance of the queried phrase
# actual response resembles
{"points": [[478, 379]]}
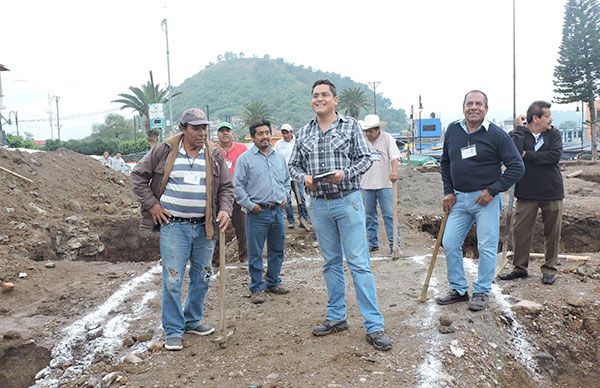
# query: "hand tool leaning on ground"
{"points": [[395, 255], [423, 297], [509, 210], [302, 220], [221, 340]]}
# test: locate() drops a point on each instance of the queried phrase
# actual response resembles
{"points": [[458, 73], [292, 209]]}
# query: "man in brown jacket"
{"points": [[185, 190]]}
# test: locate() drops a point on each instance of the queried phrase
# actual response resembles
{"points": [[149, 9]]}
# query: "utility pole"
{"points": [[514, 66], [164, 24], [50, 116], [57, 117], [420, 124], [374, 85]]}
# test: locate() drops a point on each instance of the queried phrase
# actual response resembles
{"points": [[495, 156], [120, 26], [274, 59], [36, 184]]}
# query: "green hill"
{"points": [[229, 84]]}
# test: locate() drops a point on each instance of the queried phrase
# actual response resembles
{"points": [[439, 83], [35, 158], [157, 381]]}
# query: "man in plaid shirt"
{"points": [[335, 144]]}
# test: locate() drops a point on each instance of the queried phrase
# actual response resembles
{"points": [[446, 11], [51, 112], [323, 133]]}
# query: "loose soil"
{"points": [[87, 294]]}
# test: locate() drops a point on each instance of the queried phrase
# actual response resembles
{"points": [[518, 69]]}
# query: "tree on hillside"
{"points": [[114, 126], [352, 101], [577, 75], [149, 93], [254, 111]]}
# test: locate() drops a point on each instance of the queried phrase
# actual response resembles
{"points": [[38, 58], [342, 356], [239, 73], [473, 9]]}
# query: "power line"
{"points": [[72, 117]]}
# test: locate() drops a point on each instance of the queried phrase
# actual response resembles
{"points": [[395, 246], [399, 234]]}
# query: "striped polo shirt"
{"points": [[185, 193]]}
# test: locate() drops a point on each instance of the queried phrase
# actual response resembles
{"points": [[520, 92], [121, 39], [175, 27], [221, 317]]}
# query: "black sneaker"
{"points": [[478, 301], [379, 340], [373, 249], [548, 279], [452, 297], [329, 327], [513, 275]]}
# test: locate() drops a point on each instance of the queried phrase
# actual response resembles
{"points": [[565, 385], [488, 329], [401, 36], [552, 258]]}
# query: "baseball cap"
{"points": [[286, 127], [193, 116], [225, 124]]}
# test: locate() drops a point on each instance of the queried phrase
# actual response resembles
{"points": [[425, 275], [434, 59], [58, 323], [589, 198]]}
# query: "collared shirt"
{"points": [[260, 178], [285, 148], [383, 151], [485, 124], [342, 147], [232, 154], [185, 193]]}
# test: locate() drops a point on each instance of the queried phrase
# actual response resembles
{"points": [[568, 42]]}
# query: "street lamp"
{"points": [[420, 124], [13, 112], [166, 29]]}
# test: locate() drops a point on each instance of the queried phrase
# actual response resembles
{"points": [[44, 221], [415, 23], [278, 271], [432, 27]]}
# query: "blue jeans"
{"points": [[385, 197], [289, 210], [464, 212], [260, 227], [181, 242], [339, 225]]}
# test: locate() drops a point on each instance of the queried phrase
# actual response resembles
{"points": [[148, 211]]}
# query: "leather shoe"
{"points": [[452, 297], [513, 275], [548, 279]]}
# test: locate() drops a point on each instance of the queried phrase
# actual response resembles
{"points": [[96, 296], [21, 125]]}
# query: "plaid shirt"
{"points": [[342, 147]]}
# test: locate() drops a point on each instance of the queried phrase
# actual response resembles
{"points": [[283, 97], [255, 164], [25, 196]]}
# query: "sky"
{"points": [[86, 52]]}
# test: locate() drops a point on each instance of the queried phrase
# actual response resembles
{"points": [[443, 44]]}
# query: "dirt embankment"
{"points": [[87, 293]]}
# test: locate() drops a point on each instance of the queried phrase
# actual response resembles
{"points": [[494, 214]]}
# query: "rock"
{"points": [[49, 264], [445, 320], [110, 209], [586, 270], [528, 307], [458, 352], [6, 287], [132, 359], [11, 334], [128, 341], [446, 329], [144, 336], [575, 302], [35, 207], [109, 379], [20, 226], [273, 376], [92, 382], [73, 205], [23, 275], [154, 347], [3, 239]]}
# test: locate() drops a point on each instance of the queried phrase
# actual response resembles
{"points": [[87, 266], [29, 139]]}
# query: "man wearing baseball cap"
{"points": [[185, 190], [232, 150], [284, 147]]}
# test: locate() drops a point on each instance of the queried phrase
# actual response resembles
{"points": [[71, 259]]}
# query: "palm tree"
{"points": [[352, 101], [140, 98], [254, 111]]}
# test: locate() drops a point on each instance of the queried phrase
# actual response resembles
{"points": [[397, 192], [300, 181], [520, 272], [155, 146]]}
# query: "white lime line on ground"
{"points": [[431, 370], [523, 348], [96, 332]]}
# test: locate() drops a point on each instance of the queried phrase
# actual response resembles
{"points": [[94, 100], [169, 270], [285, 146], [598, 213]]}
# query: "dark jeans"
{"points": [[299, 195], [238, 222]]}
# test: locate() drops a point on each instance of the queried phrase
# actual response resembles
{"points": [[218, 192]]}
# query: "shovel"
{"points": [[395, 255], [221, 340], [303, 222], [509, 211], [423, 297]]}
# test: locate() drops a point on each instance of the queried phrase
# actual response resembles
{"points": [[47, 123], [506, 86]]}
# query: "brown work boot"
{"points": [[278, 289], [258, 297]]}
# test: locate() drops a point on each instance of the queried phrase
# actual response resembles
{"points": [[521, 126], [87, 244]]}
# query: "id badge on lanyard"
{"points": [[468, 152], [191, 178]]}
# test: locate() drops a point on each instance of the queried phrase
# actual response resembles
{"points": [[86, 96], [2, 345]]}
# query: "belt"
{"points": [[336, 195], [268, 205], [193, 220]]}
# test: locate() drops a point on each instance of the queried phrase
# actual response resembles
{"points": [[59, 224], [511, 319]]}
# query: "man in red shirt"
{"points": [[232, 150]]}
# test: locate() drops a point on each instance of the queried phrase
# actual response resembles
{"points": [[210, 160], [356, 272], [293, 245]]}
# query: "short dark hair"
{"points": [[259, 123], [324, 82], [537, 109], [485, 100]]}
